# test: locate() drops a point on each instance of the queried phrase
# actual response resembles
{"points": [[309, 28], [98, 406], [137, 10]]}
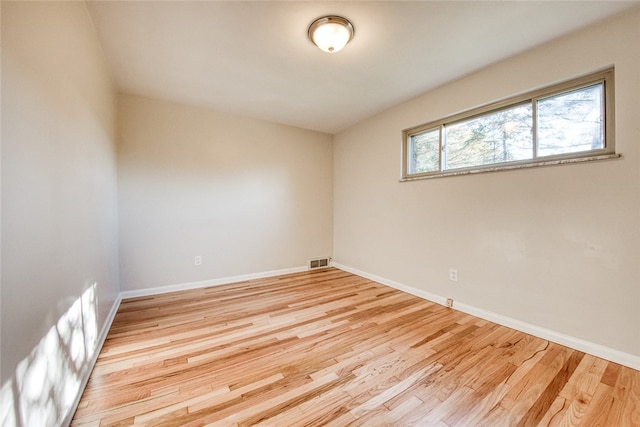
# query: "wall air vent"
{"points": [[319, 263]]}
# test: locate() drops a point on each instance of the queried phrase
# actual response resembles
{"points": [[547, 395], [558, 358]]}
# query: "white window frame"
{"points": [[605, 77]]}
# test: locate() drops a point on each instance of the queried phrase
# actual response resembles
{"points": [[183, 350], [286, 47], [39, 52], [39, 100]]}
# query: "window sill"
{"points": [[513, 166]]}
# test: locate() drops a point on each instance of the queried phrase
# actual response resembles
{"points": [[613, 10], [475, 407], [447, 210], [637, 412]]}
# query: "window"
{"points": [[571, 121]]}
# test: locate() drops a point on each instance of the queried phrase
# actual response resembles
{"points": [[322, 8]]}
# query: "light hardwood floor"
{"points": [[331, 348]]}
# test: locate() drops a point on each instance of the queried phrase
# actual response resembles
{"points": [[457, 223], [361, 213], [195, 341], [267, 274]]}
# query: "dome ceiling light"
{"points": [[331, 33]]}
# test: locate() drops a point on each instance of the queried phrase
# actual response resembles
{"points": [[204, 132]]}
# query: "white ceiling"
{"points": [[254, 58]]}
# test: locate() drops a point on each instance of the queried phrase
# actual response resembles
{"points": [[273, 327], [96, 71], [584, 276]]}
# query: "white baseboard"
{"points": [[102, 336], [594, 349], [207, 283], [408, 289]]}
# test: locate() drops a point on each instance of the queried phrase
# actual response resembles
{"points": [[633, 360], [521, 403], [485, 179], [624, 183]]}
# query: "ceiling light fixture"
{"points": [[331, 33]]}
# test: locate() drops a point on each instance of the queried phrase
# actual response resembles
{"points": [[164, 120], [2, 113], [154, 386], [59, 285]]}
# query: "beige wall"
{"points": [[59, 217], [555, 247], [248, 196]]}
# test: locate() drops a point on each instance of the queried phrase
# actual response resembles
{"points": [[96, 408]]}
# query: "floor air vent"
{"points": [[319, 263]]}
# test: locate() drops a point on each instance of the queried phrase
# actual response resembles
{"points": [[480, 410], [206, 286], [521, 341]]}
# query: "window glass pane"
{"points": [[424, 152], [571, 122], [497, 137], [570, 119]]}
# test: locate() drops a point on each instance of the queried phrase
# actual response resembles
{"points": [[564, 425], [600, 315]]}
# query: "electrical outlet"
{"points": [[198, 260], [453, 274], [450, 302]]}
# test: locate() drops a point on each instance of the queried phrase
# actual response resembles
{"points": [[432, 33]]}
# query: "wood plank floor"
{"points": [[331, 348]]}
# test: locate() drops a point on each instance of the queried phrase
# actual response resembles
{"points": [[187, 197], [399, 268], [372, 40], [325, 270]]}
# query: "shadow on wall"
{"points": [[47, 383]]}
